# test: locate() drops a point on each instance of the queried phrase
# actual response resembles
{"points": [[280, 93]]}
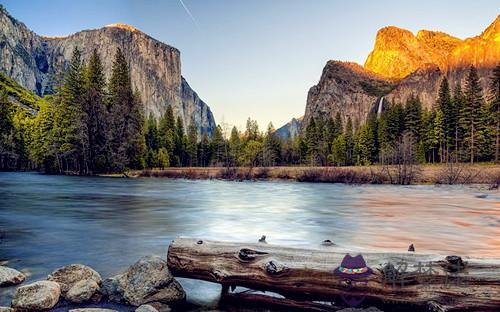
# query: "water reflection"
{"points": [[108, 223]]}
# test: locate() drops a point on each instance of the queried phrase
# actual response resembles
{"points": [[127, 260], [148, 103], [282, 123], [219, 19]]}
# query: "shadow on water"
{"points": [[108, 223]]}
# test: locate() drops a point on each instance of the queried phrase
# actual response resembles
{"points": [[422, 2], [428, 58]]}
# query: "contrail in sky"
{"points": [[189, 13]]}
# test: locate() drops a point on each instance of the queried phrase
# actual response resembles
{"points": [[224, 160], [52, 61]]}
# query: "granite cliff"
{"points": [[402, 64], [35, 61]]}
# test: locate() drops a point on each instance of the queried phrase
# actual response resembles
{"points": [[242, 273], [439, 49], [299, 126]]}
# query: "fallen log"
{"points": [[442, 283]]}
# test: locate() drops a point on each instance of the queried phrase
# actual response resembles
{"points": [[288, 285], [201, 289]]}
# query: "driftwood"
{"points": [[452, 284]]}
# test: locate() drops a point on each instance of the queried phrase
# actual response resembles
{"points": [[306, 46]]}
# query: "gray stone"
{"points": [[160, 307], [370, 309], [9, 276], [69, 275], [92, 310], [146, 308], [37, 296], [147, 280], [6, 309], [82, 291]]}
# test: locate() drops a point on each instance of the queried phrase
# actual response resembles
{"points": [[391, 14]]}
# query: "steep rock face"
{"points": [[290, 129], [397, 52], [402, 65], [35, 62], [483, 51], [346, 88]]}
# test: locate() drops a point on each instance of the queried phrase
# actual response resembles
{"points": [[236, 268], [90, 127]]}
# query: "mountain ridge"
{"points": [[36, 61], [407, 64]]}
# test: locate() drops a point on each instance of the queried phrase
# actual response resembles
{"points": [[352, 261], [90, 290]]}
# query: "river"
{"points": [[108, 223]]}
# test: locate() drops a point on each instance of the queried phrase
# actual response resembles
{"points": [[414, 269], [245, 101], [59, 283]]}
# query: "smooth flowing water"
{"points": [[108, 223]]}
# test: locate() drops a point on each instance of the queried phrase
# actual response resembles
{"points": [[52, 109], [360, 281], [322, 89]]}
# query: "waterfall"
{"points": [[379, 109]]}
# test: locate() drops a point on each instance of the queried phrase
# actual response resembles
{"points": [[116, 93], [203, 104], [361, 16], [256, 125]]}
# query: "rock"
{"points": [[82, 291], [160, 307], [146, 308], [91, 310], [6, 309], [291, 129], [370, 309], [9, 276], [411, 248], [147, 280], [155, 67], [69, 275], [37, 296], [401, 65]]}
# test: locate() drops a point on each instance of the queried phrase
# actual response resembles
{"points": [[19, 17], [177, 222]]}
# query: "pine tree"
{"points": [[413, 116], [471, 112], [180, 142], [166, 129], [339, 151], [271, 147], [457, 104], [126, 136], [439, 133], [312, 141], [349, 139], [218, 147], [204, 150], [373, 144], [445, 104], [495, 107], [363, 145], [252, 130], [7, 155], [234, 146], [192, 145], [152, 140], [70, 130], [95, 112]]}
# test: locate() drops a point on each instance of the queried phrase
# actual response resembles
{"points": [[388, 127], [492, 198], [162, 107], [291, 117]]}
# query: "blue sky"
{"points": [[258, 58]]}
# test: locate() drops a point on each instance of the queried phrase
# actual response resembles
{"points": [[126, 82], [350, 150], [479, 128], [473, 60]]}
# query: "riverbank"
{"points": [[426, 174]]}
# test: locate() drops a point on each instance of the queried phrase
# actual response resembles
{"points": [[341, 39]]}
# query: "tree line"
{"points": [[90, 125]]}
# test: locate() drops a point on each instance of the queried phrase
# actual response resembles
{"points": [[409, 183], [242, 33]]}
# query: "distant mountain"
{"points": [[291, 129], [401, 64], [36, 61]]}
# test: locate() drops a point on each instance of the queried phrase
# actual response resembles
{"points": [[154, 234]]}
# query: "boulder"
{"points": [[147, 280], [69, 275], [10, 276], [370, 309], [83, 291], [158, 306], [92, 310], [6, 309], [37, 296], [146, 308]]}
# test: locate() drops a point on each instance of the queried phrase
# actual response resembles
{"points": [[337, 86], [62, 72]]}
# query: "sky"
{"points": [[258, 58]]}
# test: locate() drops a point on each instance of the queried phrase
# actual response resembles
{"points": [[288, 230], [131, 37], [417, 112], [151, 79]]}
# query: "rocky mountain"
{"points": [[290, 129], [35, 61], [402, 64]]}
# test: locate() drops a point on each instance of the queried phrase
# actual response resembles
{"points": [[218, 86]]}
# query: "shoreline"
{"points": [[485, 174]]}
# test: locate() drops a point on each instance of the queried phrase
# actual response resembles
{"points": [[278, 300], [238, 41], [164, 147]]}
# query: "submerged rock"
{"points": [[147, 280], [9, 276], [37, 296], [69, 275]]}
